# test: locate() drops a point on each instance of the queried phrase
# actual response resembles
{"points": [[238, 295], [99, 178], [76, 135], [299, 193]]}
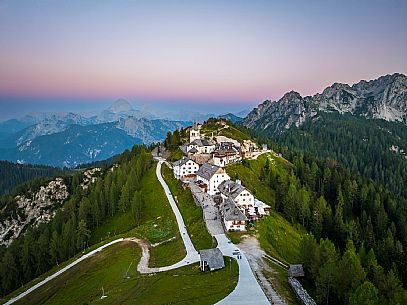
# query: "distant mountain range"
{"points": [[69, 139], [383, 98], [232, 117]]}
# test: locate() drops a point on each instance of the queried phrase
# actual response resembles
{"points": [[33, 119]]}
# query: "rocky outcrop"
{"points": [[35, 207], [90, 176], [382, 98], [32, 209]]}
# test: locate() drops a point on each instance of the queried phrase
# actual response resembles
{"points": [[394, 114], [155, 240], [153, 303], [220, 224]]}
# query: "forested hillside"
{"points": [[358, 241], [40, 248], [12, 174], [375, 148]]}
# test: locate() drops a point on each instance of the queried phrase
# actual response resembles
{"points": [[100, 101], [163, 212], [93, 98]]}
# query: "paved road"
{"points": [[191, 257], [248, 290], [211, 213]]}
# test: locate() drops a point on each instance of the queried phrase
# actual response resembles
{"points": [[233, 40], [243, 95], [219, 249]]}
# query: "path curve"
{"points": [[191, 257]]}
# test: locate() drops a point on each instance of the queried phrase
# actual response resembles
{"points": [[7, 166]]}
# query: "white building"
{"points": [[200, 146], [260, 208], [195, 132], [232, 217], [243, 199], [225, 155], [212, 176], [238, 193], [185, 168]]}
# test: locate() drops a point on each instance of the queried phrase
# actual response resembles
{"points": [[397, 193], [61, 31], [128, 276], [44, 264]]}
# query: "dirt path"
{"points": [[254, 253]]}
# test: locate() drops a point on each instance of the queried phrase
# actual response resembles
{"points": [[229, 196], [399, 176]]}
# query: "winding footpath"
{"points": [[191, 257], [247, 291]]}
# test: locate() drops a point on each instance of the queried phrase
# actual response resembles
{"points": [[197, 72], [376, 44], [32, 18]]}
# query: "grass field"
{"points": [[191, 213], [157, 224], [249, 175], [82, 284], [281, 239], [278, 237], [280, 283], [218, 130]]}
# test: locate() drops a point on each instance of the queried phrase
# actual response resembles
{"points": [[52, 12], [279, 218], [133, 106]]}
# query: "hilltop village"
{"points": [[204, 162]]}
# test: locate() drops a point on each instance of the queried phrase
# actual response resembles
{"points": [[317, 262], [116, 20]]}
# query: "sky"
{"points": [[208, 56]]}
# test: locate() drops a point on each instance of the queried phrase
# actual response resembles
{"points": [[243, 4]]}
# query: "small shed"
{"points": [[295, 271], [211, 259]]}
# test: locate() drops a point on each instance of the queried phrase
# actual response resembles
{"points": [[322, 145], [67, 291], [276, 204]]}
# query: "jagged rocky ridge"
{"points": [[36, 207], [382, 98]]}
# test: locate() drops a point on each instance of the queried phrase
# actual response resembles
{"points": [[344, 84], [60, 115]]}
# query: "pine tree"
{"points": [[124, 198], [136, 207], [82, 235], [351, 273], [27, 258], [9, 272], [365, 294]]}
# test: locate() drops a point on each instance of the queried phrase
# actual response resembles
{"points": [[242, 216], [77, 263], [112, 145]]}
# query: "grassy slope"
{"points": [[281, 239], [158, 224], [191, 213], [219, 130], [277, 236], [106, 269], [249, 173]]}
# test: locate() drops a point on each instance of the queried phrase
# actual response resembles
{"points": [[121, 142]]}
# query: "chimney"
{"points": [[238, 181]]}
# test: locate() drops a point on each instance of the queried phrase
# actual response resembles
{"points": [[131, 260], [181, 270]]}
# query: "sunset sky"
{"points": [[82, 55]]}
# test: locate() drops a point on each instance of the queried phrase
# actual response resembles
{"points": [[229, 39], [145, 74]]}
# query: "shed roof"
{"points": [[213, 257], [296, 270]]}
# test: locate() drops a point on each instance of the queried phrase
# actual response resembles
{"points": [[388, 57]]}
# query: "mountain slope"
{"points": [[375, 148], [67, 139], [73, 146], [361, 126], [12, 174], [382, 98], [231, 117]]}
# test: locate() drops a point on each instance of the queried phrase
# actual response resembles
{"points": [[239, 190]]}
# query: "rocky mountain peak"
{"points": [[121, 105], [291, 96], [381, 98]]}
